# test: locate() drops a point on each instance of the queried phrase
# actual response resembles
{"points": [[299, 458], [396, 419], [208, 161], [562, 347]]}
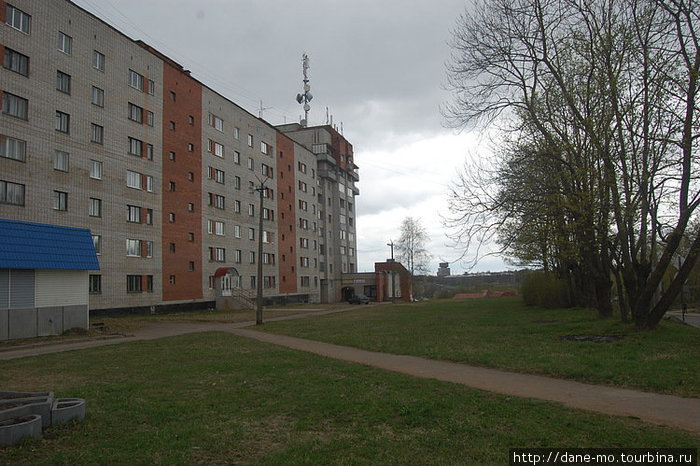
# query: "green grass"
{"points": [[218, 398], [503, 333]]}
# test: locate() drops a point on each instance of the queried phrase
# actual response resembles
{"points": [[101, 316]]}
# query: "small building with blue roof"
{"points": [[44, 278]]}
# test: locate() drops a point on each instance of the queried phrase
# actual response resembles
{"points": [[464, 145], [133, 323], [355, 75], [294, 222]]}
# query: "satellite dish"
{"points": [[300, 98]]}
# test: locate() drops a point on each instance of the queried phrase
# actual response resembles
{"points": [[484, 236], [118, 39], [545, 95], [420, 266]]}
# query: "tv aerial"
{"points": [[306, 97]]}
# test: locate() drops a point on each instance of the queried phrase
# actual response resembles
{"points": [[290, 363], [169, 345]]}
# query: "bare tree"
{"points": [[607, 90], [411, 246]]}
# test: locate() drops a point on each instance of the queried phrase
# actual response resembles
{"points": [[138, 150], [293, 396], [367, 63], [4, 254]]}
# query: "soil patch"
{"points": [[594, 338]]}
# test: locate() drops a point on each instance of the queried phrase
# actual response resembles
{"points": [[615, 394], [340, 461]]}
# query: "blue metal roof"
{"points": [[26, 245]]}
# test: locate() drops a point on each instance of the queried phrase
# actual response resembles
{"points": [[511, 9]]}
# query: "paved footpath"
{"points": [[667, 410]]}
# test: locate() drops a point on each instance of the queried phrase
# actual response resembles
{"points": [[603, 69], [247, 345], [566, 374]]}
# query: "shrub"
{"points": [[545, 290]]}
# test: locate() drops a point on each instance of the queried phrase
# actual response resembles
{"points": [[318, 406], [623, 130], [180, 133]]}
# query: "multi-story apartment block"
{"points": [[335, 190], [103, 132]]}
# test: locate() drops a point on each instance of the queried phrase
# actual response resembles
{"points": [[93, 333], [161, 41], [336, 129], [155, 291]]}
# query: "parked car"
{"points": [[359, 299]]}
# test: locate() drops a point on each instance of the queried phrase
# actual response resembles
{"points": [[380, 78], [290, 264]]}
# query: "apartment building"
{"points": [[335, 189], [103, 132]]}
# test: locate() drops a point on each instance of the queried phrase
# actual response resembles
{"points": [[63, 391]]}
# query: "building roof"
{"points": [[26, 245]]}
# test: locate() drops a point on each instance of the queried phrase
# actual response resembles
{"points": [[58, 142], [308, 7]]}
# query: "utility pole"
{"points": [[393, 285], [259, 301]]}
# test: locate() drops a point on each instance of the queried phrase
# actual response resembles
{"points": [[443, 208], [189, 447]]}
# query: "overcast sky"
{"points": [[377, 65]]}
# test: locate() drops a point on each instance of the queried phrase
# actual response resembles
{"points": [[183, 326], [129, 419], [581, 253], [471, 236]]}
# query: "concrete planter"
{"points": [[25, 406], [67, 410], [15, 429]]}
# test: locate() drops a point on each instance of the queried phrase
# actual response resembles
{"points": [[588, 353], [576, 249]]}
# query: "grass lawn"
{"points": [[503, 333], [218, 398]]}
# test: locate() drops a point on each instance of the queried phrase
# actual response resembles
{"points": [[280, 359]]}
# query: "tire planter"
{"points": [[14, 429], [67, 410]]}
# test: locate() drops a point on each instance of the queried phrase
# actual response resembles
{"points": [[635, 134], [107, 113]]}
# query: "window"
{"points": [[133, 248], [150, 118], [237, 206], [217, 201], [17, 19], [60, 200], [238, 256], [98, 96], [95, 286], [236, 231], [133, 284], [133, 214], [133, 179], [63, 82], [216, 148], [97, 133], [190, 147], [15, 61], [135, 147], [149, 183], [251, 234], [217, 175], [11, 193], [264, 148], [14, 105], [236, 157], [251, 164], [269, 281], [97, 242], [236, 133], [95, 207], [216, 122], [135, 80], [237, 182], [267, 170], [250, 140], [64, 43], [217, 254], [268, 259], [251, 210], [171, 186], [135, 113], [251, 257], [173, 96], [216, 227], [171, 217], [268, 237], [98, 60], [62, 122], [151, 87], [60, 161], [149, 151], [149, 216], [172, 126], [95, 169], [12, 148]]}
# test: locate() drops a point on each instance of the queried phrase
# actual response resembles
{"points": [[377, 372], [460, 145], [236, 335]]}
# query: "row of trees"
{"points": [[596, 178]]}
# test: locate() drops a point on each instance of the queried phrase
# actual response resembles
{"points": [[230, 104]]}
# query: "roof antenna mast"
{"points": [[306, 96]]}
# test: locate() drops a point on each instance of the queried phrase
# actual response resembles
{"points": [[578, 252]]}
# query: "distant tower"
{"points": [[306, 96], [444, 270]]}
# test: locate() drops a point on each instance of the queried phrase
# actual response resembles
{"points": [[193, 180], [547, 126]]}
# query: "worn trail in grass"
{"points": [[503, 333], [218, 398]]}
